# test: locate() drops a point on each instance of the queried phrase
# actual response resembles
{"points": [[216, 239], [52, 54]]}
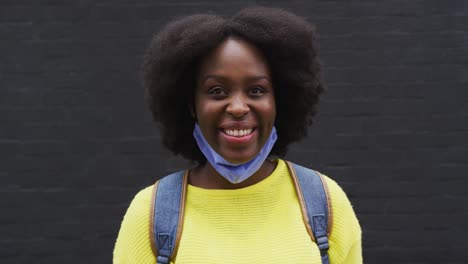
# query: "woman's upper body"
{"points": [[260, 223], [227, 94]]}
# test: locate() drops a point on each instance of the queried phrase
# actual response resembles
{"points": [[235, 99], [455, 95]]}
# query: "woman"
{"points": [[231, 94]]}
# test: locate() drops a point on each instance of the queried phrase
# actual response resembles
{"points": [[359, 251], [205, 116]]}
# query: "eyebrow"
{"points": [[253, 78]]}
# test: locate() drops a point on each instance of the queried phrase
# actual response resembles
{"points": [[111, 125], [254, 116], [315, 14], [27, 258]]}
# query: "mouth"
{"points": [[237, 137], [238, 132]]}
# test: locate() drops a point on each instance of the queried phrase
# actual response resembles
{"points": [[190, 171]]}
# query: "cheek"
{"points": [[273, 109], [270, 110], [206, 112], [199, 107]]}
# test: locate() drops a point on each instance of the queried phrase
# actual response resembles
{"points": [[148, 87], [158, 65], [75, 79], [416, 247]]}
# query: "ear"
{"points": [[192, 111]]}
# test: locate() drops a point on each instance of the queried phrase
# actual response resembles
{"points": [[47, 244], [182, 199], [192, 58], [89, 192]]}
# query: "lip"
{"points": [[237, 126], [238, 140]]}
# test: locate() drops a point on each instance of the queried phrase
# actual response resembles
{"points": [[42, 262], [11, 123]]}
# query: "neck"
{"points": [[205, 176]]}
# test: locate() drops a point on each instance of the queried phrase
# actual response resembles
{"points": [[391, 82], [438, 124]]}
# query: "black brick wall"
{"points": [[77, 142]]}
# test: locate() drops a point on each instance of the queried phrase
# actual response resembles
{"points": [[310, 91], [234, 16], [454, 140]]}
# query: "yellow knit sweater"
{"points": [[261, 223]]}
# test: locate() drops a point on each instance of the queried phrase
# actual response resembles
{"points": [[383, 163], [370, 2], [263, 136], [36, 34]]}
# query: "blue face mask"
{"points": [[235, 173]]}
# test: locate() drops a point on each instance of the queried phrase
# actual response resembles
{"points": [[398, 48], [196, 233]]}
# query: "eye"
{"points": [[217, 91], [256, 91]]}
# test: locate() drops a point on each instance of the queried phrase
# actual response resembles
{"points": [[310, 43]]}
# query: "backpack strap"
{"points": [[167, 213], [315, 204]]}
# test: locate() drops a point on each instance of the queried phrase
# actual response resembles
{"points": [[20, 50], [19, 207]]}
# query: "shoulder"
{"points": [[141, 200], [345, 230], [139, 209], [133, 241], [338, 198], [345, 233]]}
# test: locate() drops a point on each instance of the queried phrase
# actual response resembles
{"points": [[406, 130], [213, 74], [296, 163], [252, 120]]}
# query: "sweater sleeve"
{"points": [[345, 237], [133, 243]]}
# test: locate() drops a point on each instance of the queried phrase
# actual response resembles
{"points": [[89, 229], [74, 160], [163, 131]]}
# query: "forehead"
{"points": [[234, 54]]}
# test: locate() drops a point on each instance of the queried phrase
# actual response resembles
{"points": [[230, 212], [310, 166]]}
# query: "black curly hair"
{"points": [[288, 43]]}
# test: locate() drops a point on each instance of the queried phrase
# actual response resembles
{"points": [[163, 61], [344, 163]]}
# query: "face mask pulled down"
{"points": [[234, 173]]}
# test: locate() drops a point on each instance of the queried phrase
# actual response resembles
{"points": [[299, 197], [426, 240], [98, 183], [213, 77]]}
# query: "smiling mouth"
{"points": [[238, 132]]}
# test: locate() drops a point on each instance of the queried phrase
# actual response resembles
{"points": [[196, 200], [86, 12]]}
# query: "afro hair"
{"points": [[287, 41]]}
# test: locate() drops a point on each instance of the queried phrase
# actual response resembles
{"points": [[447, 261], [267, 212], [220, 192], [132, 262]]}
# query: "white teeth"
{"points": [[238, 133]]}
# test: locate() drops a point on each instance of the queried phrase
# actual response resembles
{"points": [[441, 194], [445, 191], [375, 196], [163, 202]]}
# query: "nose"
{"points": [[237, 106]]}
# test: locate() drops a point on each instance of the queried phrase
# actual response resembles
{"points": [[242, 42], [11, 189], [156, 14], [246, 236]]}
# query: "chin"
{"points": [[240, 158]]}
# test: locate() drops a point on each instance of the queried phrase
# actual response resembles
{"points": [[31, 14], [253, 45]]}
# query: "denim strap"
{"points": [[316, 202], [168, 215]]}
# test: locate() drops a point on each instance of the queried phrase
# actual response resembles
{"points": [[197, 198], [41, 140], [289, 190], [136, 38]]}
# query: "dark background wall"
{"points": [[77, 142]]}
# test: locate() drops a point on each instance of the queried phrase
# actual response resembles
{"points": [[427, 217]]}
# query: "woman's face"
{"points": [[234, 100]]}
